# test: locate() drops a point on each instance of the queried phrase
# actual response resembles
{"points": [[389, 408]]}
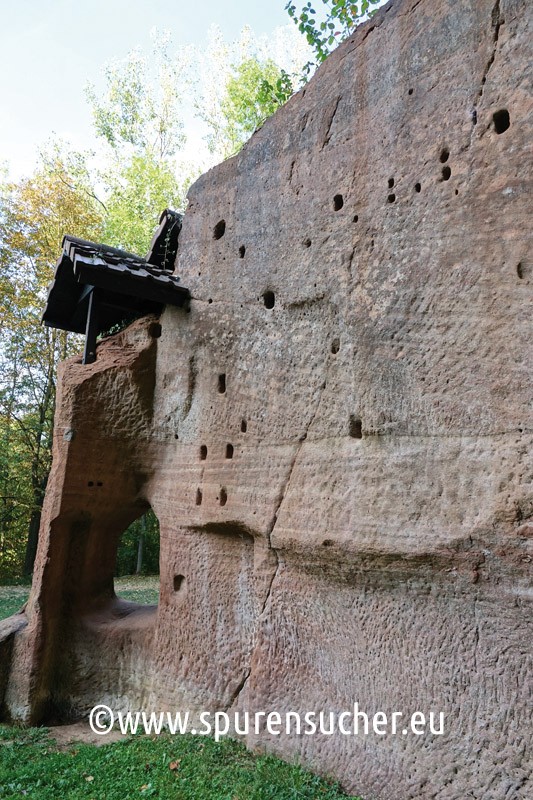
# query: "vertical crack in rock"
{"points": [[191, 386], [410, 10], [272, 579], [495, 19], [241, 686], [297, 452], [235, 695], [476, 636], [291, 171], [350, 271], [327, 137]]}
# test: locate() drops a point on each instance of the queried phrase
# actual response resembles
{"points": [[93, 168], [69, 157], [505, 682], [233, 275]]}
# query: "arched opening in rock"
{"points": [[136, 575]]}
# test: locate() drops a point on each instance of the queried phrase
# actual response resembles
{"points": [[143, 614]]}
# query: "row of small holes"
{"points": [[229, 448], [92, 483], [268, 297]]}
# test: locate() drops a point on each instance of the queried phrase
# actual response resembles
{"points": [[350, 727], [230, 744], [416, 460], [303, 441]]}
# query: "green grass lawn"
{"points": [[12, 598], [165, 767], [137, 588]]}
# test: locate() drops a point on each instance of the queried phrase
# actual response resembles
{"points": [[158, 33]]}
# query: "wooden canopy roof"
{"points": [[96, 287]]}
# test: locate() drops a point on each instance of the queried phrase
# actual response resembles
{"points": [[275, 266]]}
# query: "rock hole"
{"points": [[391, 183], [269, 299], [444, 155], [456, 192], [335, 346], [327, 543], [446, 173], [356, 218], [223, 497], [222, 383], [90, 483], [418, 187], [155, 330], [502, 120], [210, 300], [391, 198], [520, 270], [229, 451], [410, 92], [198, 497], [99, 483], [338, 202], [356, 427], [307, 242], [244, 426], [178, 582], [242, 251], [176, 436], [203, 452], [219, 229]]}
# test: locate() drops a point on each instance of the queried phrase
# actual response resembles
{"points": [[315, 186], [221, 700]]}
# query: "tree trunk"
{"points": [[140, 548], [33, 528]]}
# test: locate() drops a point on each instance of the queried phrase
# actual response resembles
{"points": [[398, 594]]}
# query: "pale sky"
{"points": [[51, 49]]}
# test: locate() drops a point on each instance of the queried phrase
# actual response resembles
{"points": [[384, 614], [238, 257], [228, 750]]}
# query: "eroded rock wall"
{"points": [[336, 439]]}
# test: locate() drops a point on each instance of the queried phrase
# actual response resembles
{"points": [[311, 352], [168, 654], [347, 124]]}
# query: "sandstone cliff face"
{"points": [[335, 439]]}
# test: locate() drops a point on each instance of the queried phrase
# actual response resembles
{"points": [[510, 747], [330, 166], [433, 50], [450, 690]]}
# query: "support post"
{"points": [[91, 329]]}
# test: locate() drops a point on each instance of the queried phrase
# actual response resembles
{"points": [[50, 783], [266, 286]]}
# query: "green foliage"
{"points": [[342, 16], [253, 92], [34, 214], [170, 768], [138, 191], [141, 106], [139, 117], [252, 82]]}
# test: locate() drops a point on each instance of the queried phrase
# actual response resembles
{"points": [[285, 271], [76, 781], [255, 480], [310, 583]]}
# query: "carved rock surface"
{"points": [[357, 366]]}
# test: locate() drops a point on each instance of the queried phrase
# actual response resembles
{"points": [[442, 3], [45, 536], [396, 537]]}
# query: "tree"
{"points": [[137, 192], [140, 110], [138, 117], [254, 78], [34, 214], [254, 90], [342, 16]]}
